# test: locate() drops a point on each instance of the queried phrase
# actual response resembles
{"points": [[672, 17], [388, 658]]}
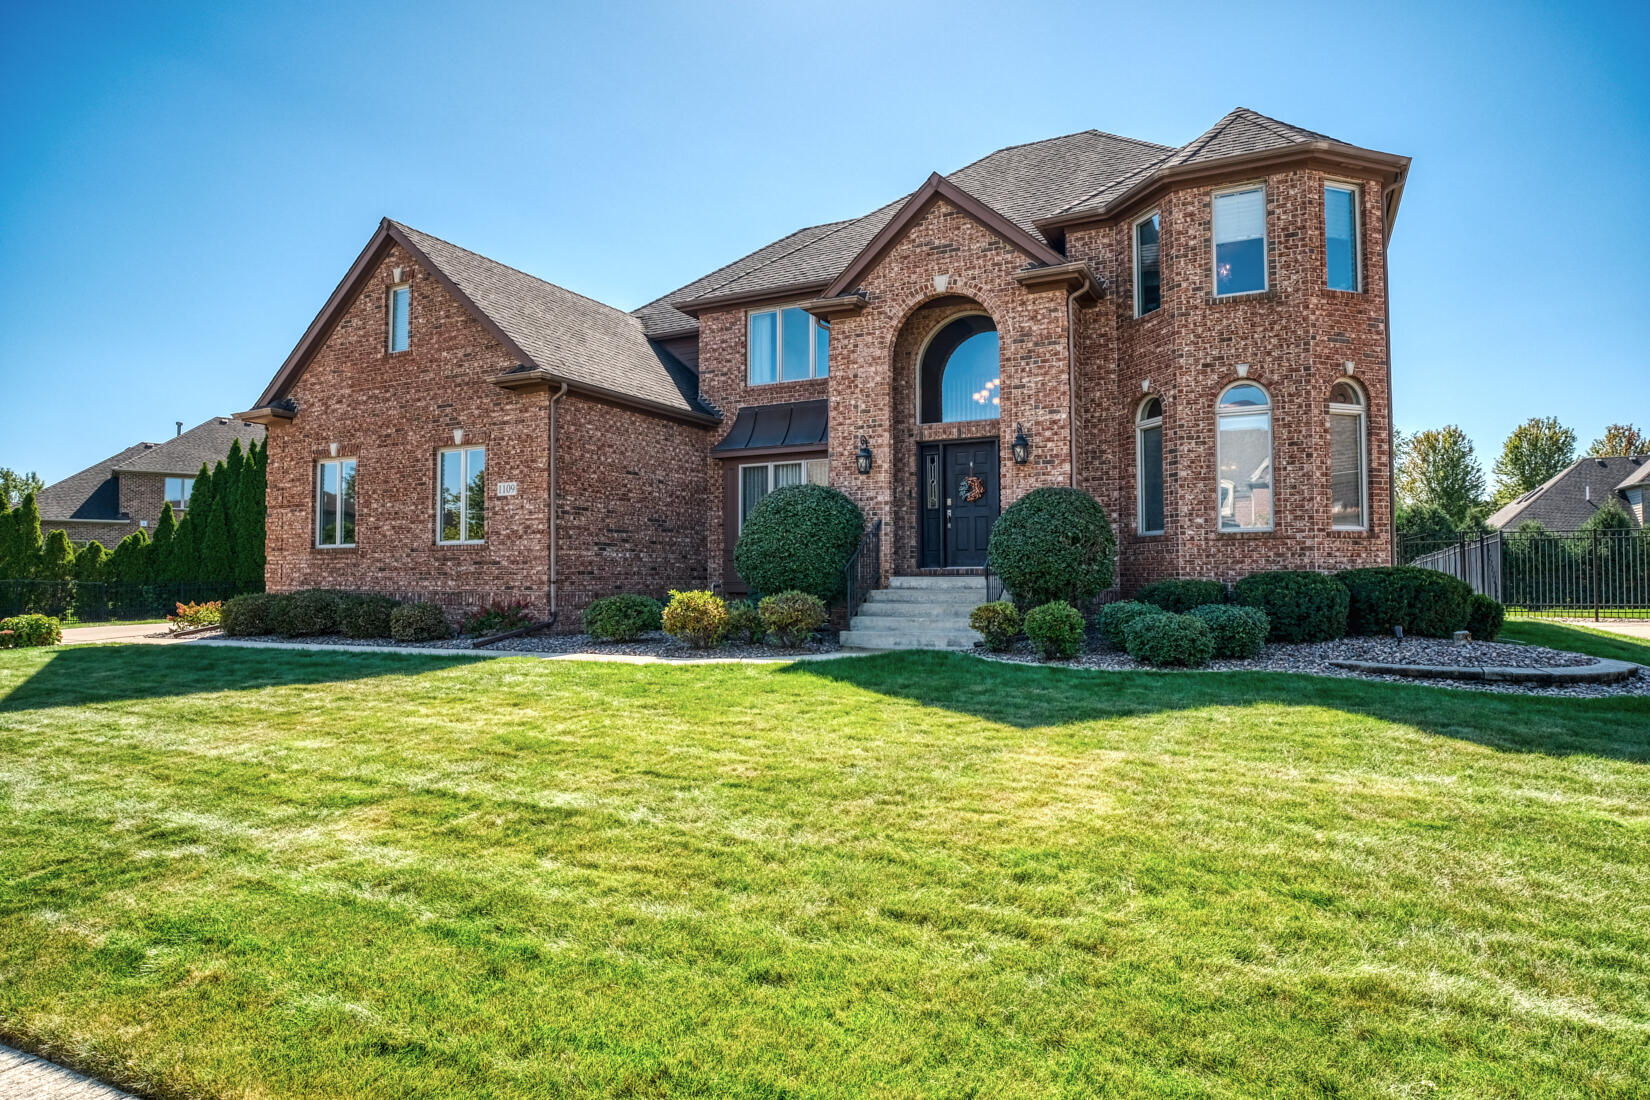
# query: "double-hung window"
{"points": [[1240, 241], [758, 479], [786, 345], [335, 502], [1348, 458], [461, 503], [1148, 269], [1149, 462], [1340, 236], [178, 490], [400, 319]]}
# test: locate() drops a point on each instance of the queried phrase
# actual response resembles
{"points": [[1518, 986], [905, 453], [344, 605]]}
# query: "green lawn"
{"points": [[1579, 639], [227, 873]]}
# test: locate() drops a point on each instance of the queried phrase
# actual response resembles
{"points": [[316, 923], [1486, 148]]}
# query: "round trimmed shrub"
{"points": [[419, 622], [366, 615], [792, 617], [745, 623], [1300, 605], [999, 621], [243, 616], [1116, 617], [1180, 596], [1422, 601], [1056, 629], [699, 618], [32, 630], [1238, 632], [1170, 640], [799, 539], [1053, 544], [305, 613], [622, 618], [1484, 617]]}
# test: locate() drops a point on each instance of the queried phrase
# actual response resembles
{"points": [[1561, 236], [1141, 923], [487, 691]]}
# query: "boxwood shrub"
{"points": [[622, 618], [1053, 544], [1180, 596], [699, 618], [306, 612], [1301, 606], [791, 617], [798, 539], [1170, 640], [998, 621], [1239, 632], [1056, 629], [247, 615], [1422, 601], [419, 622], [1485, 617], [365, 615], [1116, 617]]}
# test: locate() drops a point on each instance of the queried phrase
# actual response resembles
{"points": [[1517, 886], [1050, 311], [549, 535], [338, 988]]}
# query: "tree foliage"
{"points": [[1619, 440], [1441, 470], [15, 486], [1536, 451]]}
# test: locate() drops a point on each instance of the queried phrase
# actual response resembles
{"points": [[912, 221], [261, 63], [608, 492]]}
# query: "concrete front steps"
{"points": [[923, 612]]}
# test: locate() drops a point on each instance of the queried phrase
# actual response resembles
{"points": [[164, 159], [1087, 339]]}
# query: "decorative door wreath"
{"points": [[973, 489]]}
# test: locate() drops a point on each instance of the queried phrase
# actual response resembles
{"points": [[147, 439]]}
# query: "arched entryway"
{"points": [[959, 398]]}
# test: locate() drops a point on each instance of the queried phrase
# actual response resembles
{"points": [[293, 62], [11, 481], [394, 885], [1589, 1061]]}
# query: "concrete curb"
{"points": [[489, 654], [1601, 672]]}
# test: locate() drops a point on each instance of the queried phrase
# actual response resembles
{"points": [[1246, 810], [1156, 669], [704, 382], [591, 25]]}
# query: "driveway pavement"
{"points": [[25, 1077], [142, 633], [1632, 628]]}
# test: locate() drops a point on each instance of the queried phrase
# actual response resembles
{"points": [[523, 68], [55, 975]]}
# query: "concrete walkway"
{"points": [[141, 633], [25, 1077]]}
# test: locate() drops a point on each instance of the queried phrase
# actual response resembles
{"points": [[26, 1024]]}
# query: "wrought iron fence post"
{"points": [[1597, 602]]}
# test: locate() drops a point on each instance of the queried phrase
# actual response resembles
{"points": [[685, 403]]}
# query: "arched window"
{"points": [[1243, 456], [1148, 452], [959, 373], [1348, 458]]}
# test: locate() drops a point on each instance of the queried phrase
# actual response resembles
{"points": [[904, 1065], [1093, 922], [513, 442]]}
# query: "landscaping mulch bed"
{"points": [[657, 644], [1314, 658]]}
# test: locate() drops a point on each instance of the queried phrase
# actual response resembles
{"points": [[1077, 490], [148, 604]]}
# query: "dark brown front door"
{"points": [[956, 529]]}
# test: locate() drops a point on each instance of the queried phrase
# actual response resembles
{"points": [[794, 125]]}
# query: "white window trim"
{"points": [[779, 345], [339, 462], [463, 496], [1362, 413], [1134, 248], [1265, 244], [739, 476], [389, 319], [1357, 235], [178, 505], [1271, 454], [1140, 429]]}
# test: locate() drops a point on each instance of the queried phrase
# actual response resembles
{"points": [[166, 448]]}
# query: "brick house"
{"points": [[126, 491], [1197, 336]]}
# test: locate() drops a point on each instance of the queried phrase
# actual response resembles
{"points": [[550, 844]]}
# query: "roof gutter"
{"points": [[534, 377], [693, 307]]}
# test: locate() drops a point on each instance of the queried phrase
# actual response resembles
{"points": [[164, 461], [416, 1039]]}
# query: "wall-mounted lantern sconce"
{"points": [[1021, 446], [862, 459]]}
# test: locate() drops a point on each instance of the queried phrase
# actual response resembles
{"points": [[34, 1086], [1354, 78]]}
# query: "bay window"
{"points": [[1240, 241], [1348, 458], [1243, 455], [1340, 236], [1148, 270]]}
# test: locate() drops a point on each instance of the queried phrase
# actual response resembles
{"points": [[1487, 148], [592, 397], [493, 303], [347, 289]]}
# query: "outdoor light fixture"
{"points": [[862, 460], [1021, 446]]}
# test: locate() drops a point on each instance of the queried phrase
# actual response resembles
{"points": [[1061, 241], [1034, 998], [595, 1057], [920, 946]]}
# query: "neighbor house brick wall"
{"points": [[142, 497], [109, 534]]}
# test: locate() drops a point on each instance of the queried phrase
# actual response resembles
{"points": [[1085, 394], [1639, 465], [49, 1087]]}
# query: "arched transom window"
{"points": [[1348, 457], [1243, 444], [1149, 462], [959, 375]]}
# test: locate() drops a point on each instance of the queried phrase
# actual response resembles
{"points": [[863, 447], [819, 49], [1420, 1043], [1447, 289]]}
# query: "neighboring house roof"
{"points": [[1038, 186], [1639, 478], [558, 335], [91, 495], [185, 453], [1571, 497]]}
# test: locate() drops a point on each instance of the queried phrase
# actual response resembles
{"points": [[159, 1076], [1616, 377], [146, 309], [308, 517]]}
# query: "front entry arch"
{"points": [[958, 498]]}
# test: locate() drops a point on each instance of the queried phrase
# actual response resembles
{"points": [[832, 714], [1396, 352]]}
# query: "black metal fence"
{"points": [[864, 569], [1596, 575], [104, 601]]}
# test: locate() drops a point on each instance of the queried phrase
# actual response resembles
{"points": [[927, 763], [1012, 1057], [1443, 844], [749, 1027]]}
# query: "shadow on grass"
{"points": [[1028, 696], [89, 675]]}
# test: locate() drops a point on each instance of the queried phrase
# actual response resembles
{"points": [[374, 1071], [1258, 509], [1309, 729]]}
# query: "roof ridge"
{"points": [[1202, 141], [1144, 169]]}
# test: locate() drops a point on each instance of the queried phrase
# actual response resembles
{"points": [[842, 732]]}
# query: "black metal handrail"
{"points": [[864, 569]]}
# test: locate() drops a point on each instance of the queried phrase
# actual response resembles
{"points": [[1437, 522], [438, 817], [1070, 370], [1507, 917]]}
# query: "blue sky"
{"points": [[182, 185]]}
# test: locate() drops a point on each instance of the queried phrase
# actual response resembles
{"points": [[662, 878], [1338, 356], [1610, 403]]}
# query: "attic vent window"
{"points": [[400, 318]]}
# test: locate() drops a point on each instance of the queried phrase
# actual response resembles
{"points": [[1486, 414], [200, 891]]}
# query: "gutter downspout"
{"points": [[557, 396]]}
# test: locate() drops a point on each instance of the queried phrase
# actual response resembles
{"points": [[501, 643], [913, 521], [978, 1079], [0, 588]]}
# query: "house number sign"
{"points": [[506, 488]]}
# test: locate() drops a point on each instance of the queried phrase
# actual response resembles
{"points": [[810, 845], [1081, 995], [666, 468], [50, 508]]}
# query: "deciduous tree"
{"points": [[1536, 451], [1440, 469], [1619, 440]]}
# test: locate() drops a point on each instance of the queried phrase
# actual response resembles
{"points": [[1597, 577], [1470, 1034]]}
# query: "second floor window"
{"points": [[462, 495], [786, 345], [335, 502], [1240, 241], [400, 318], [1148, 271], [1340, 236], [178, 490]]}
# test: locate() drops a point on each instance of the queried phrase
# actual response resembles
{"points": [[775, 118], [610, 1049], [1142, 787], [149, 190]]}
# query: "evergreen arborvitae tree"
{"points": [[186, 544], [91, 563], [163, 566], [6, 513], [129, 563], [27, 546], [217, 563], [57, 571], [248, 526]]}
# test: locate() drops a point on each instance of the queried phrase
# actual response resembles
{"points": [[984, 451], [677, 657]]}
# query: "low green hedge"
{"points": [[419, 622], [1238, 632], [1422, 601], [305, 613], [1170, 640], [1056, 629], [1180, 596], [1116, 617], [998, 621], [366, 615], [23, 631], [1485, 617], [244, 616], [622, 618], [1301, 606]]}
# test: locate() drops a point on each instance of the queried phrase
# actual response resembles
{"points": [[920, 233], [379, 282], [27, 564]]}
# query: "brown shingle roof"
{"points": [[1571, 497], [93, 493], [204, 444]]}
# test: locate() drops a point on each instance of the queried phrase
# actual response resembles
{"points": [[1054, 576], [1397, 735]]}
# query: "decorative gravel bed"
{"points": [[1314, 658], [656, 644]]}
